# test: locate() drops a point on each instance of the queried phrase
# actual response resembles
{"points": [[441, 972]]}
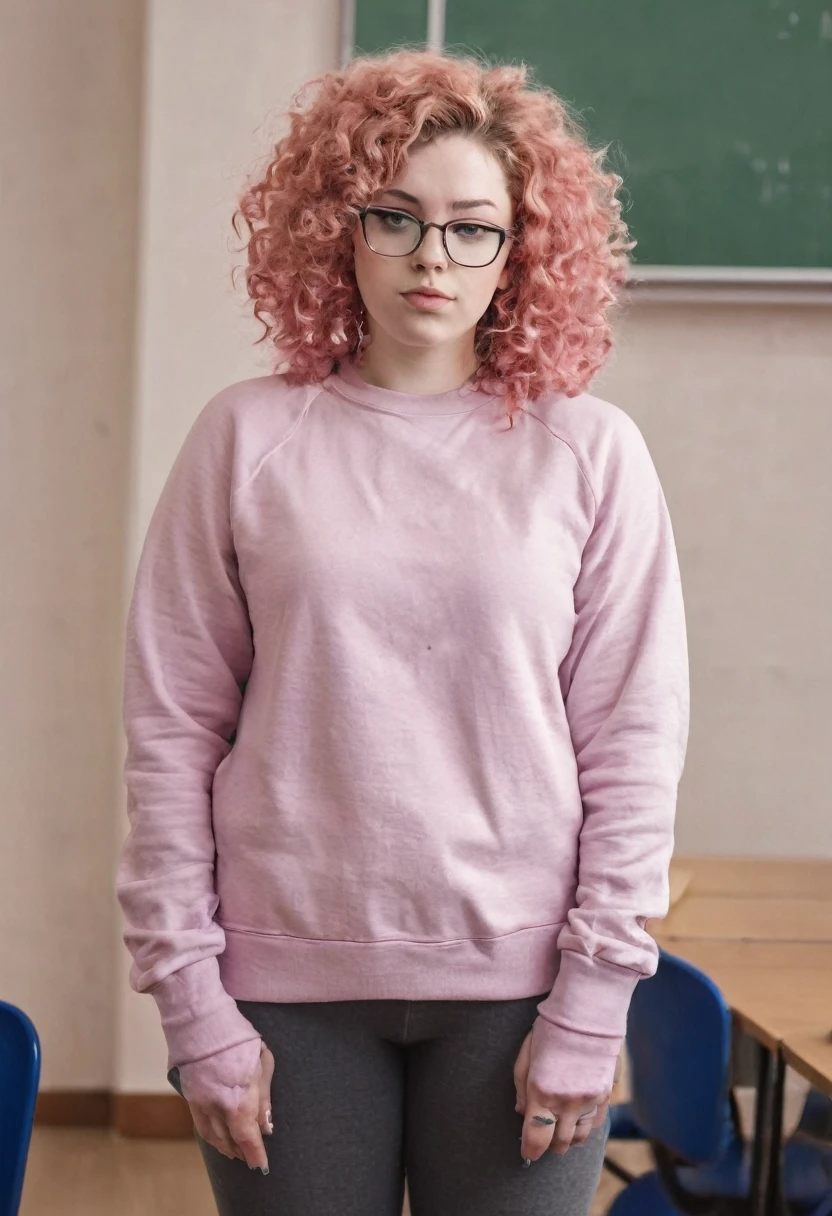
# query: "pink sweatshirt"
{"points": [[451, 657]]}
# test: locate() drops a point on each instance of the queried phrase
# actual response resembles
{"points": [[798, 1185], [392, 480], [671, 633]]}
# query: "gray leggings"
{"points": [[366, 1090]]}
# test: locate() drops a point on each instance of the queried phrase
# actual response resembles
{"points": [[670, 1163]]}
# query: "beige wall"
{"points": [[218, 79], [734, 402], [70, 83]]}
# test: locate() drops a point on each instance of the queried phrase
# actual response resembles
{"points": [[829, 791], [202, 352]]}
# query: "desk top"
{"points": [[775, 989], [754, 918], [811, 1056], [761, 928], [767, 877]]}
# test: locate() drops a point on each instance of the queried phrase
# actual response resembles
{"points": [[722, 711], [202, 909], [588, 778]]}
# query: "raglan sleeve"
{"points": [[625, 686], [189, 651]]}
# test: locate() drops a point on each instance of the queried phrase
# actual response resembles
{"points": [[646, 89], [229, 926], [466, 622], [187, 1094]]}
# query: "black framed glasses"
{"points": [[395, 234]]}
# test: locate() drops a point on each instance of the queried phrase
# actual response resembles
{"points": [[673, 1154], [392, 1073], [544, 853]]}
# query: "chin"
{"points": [[427, 338]]}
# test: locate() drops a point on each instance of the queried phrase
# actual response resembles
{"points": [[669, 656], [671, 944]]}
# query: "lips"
{"points": [[423, 302], [426, 291]]}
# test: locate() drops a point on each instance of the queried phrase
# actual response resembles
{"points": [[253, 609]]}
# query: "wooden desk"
{"points": [[680, 880], [774, 989], [778, 992], [766, 877], [727, 918], [811, 1056], [762, 930]]}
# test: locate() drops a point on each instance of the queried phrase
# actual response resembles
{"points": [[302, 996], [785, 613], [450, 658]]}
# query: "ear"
{"points": [[503, 281]]}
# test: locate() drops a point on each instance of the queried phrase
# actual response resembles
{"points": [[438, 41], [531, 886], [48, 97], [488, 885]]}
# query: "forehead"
{"points": [[455, 167]]}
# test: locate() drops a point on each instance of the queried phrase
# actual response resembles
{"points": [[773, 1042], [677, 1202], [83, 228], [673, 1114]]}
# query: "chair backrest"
{"points": [[679, 1044], [19, 1077]]}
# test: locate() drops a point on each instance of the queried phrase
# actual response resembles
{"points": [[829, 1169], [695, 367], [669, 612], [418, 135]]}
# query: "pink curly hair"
{"points": [[548, 330]]}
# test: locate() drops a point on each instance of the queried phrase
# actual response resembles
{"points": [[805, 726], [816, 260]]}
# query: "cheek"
{"points": [[480, 293]]}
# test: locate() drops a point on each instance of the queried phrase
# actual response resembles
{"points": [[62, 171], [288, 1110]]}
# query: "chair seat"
{"points": [[816, 1119], [807, 1174], [644, 1197]]}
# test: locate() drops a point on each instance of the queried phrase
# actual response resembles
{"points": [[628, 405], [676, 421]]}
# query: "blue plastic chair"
{"points": [[679, 1044], [19, 1077], [816, 1117]]}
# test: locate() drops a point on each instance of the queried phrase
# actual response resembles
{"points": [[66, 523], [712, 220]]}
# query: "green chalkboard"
{"points": [[384, 23], [718, 113]]}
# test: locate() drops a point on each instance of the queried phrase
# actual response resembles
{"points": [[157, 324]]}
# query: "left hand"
{"points": [[576, 1116]]}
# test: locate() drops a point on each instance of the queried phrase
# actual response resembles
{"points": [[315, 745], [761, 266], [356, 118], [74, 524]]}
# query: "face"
{"points": [[452, 178]]}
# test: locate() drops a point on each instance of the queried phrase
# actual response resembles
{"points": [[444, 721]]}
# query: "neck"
{"points": [[418, 370]]}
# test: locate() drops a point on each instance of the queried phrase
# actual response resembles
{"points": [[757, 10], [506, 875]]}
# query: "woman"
{"points": [[406, 683]]}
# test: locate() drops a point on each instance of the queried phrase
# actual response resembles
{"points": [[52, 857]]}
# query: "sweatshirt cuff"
{"points": [[580, 1031], [199, 1018]]}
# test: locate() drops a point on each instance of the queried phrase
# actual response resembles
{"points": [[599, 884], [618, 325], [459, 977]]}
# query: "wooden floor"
{"points": [[95, 1173]]}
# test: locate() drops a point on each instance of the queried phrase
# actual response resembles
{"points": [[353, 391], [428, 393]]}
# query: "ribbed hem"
{"points": [[261, 967], [199, 1018]]}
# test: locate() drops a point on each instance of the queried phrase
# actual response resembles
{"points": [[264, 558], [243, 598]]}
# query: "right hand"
{"points": [[235, 1117]]}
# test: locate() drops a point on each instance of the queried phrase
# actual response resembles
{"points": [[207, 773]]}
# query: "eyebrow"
{"points": [[460, 205]]}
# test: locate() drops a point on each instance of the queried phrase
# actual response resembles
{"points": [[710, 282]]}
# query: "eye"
{"points": [[472, 232], [395, 220]]}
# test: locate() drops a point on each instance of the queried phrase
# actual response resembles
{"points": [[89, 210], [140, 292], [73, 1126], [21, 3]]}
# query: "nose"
{"points": [[431, 252]]}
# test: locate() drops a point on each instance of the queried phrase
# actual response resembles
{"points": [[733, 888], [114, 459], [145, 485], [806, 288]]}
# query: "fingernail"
{"points": [[526, 1163], [264, 1169]]}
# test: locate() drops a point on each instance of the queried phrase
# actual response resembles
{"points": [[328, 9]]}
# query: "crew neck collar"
{"points": [[347, 382]]}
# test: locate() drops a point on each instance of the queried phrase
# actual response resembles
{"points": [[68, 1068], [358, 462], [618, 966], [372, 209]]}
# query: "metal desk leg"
{"points": [[762, 1133], [776, 1204]]}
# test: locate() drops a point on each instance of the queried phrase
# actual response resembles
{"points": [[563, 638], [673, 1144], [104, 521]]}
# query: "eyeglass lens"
{"points": [[395, 234]]}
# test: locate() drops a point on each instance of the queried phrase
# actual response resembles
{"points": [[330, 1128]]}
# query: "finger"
{"points": [[221, 1129], [212, 1135], [580, 1138], [587, 1124], [584, 1128], [538, 1128], [214, 1132], [601, 1117], [247, 1136], [204, 1129], [564, 1132], [266, 1074]]}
